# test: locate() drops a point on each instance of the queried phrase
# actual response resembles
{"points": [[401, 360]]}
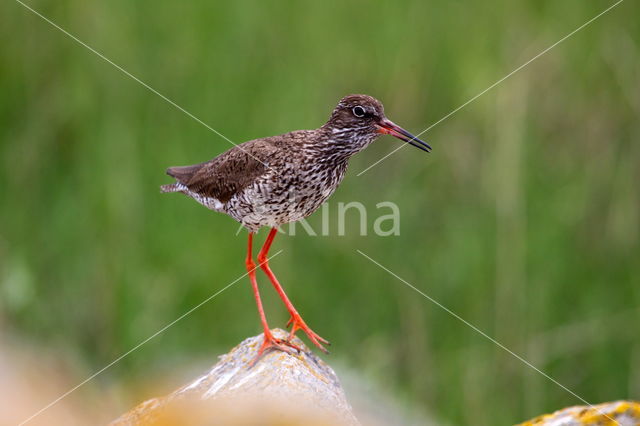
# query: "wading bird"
{"points": [[281, 179]]}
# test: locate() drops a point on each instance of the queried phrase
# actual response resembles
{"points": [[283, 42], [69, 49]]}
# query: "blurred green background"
{"points": [[524, 220]]}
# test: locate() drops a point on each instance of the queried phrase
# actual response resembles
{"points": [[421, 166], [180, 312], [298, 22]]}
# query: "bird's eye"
{"points": [[358, 111]]}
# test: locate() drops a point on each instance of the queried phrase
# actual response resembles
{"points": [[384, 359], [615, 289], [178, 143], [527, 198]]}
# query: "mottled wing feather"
{"points": [[184, 173], [228, 173]]}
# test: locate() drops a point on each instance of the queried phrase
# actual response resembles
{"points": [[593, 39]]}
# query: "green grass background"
{"points": [[524, 220]]}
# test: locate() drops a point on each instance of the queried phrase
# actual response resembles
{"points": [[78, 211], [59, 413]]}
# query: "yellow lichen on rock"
{"points": [[617, 413]]}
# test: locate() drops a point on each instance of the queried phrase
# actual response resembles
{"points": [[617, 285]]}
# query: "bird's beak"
{"points": [[388, 127]]}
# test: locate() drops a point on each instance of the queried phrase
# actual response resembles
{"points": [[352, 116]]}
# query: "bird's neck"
{"points": [[338, 145]]}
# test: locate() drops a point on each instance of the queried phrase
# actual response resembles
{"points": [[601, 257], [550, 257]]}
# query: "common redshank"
{"points": [[281, 179]]}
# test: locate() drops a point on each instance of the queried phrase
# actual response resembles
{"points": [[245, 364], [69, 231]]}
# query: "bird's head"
{"points": [[360, 119]]}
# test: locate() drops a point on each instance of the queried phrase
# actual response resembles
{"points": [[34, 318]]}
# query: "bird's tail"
{"points": [[172, 187]]}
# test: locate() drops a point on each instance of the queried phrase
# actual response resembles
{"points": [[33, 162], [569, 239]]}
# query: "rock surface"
{"points": [[279, 389], [619, 413], [301, 389]]}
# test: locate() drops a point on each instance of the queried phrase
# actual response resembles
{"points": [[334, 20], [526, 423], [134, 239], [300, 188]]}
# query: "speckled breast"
{"points": [[274, 202]]}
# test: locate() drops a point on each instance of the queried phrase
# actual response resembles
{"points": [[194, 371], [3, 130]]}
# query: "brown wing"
{"points": [[228, 173]]}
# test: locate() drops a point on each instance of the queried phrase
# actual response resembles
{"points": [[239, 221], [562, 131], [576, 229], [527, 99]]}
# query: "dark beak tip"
{"points": [[424, 146], [414, 141]]}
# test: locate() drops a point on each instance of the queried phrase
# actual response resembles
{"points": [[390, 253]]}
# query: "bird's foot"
{"points": [[299, 324], [270, 342]]}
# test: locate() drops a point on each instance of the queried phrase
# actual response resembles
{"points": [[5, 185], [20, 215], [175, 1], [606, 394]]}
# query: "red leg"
{"points": [[296, 319], [269, 340]]}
